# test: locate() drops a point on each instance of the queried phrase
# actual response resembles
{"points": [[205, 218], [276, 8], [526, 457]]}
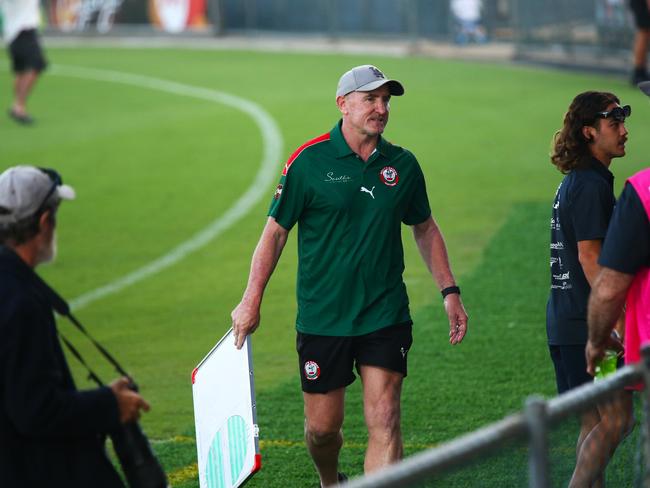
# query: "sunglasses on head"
{"points": [[57, 181], [617, 113]]}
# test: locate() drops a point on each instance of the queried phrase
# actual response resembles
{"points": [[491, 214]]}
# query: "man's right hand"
{"points": [[593, 354], [129, 402], [246, 316], [245, 320]]}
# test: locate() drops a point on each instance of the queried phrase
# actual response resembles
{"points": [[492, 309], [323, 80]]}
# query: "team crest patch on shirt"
{"points": [[389, 176], [278, 192], [312, 370]]}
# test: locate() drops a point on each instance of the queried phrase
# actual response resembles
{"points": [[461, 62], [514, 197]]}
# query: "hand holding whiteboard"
{"points": [[227, 437]]}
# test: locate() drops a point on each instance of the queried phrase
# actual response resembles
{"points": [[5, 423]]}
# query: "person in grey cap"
{"points": [[350, 190], [51, 434]]}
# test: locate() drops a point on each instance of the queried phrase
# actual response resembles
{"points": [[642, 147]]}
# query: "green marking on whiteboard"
{"points": [[235, 433]]}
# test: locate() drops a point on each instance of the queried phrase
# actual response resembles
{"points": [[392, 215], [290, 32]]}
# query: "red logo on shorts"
{"points": [[312, 370], [389, 176]]}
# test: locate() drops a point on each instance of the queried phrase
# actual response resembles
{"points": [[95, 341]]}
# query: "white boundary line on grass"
{"points": [[269, 168]]}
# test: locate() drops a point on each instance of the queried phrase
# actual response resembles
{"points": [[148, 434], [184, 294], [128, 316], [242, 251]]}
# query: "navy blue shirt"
{"points": [[627, 246], [582, 209]]}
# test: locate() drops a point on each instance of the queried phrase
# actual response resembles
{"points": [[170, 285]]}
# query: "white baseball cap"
{"points": [[24, 190], [366, 78]]}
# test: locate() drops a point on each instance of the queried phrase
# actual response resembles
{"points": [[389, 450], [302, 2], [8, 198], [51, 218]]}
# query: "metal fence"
{"points": [[532, 424], [578, 33], [604, 23], [430, 19], [337, 18], [590, 33]]}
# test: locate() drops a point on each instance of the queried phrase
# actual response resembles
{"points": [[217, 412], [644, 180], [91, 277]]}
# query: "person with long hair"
{"points": [[593, 134]]}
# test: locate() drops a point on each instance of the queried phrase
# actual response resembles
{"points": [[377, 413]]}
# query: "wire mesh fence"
{"points": [[590, 33], [584, 33]]}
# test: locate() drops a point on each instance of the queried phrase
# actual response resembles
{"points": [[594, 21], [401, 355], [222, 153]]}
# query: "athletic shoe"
{"points": [[340, 477], [23, 119], [639, 75]]}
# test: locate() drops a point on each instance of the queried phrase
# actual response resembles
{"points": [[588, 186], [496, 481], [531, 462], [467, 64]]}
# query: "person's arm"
{"points": [[588, 252], [434, 252], [605, 304], [246, 316]]}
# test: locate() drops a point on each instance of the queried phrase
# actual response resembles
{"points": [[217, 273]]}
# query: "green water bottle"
{"points": [[607, 365]]}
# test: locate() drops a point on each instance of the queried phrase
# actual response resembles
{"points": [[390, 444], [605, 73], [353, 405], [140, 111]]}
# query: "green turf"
{"points": [[151, 169], [452, 390]]}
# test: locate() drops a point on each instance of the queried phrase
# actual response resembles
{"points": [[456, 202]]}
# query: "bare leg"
{"points": [[323, 422], [23, 84], [616, 421], [641, 39], [381, 403]]}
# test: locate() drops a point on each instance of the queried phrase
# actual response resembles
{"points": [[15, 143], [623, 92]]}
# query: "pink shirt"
{"points": [[637, 314]]}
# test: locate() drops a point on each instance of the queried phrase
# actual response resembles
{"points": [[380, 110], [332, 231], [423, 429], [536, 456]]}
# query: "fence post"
{"points": [[645, 354], [215, 15], [537, 422]]}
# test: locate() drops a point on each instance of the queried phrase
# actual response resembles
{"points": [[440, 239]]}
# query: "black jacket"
{"points": [[51, 434]]}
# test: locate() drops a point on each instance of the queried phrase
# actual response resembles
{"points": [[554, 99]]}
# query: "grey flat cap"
{"points": [[25, 189], [366, 78]]}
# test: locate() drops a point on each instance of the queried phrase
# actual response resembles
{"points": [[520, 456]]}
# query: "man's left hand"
{"points": [[457, 318]]}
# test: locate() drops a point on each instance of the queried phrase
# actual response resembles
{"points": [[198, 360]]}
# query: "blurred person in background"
{"points": [[51, 434], [641, 13], [21, 19], [467, 16], [593, 134]]}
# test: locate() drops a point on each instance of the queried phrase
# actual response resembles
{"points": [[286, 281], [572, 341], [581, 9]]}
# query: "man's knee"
{"points": [[383, 417], [321, 437]]}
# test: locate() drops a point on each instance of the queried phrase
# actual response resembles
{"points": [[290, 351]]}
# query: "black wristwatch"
{"points": [[449, 290]]}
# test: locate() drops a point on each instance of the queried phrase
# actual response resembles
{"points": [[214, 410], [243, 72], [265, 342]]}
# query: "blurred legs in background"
{"points": [[641, 12]]}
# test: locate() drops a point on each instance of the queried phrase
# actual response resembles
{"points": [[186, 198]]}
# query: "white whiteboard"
{"points": [[227, 436]]}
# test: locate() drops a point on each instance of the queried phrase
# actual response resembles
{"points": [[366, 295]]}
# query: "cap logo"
{"points": [[389, 176], [377, 73], [312, 370]]}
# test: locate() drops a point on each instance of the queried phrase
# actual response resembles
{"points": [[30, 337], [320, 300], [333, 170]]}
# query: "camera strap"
{"points": [[60, 306], [77, 354], [99, 347]]}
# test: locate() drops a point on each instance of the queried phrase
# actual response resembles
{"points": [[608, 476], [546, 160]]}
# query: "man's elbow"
{"points": [[587, 259], [606, 292], [428, 227]]}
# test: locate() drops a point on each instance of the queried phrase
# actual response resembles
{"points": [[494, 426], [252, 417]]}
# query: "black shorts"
{"points": [[570, 366], [26, 53], [326, 362], [641, 14]]}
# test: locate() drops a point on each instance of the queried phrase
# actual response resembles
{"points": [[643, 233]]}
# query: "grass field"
{"points": [[153, 168]]}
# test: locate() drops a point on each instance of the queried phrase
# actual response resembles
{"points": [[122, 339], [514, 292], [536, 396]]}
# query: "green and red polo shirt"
{"points": [[349, 214]]}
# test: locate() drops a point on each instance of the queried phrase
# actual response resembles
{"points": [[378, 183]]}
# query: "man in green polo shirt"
{"points": [[350, 190]]}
